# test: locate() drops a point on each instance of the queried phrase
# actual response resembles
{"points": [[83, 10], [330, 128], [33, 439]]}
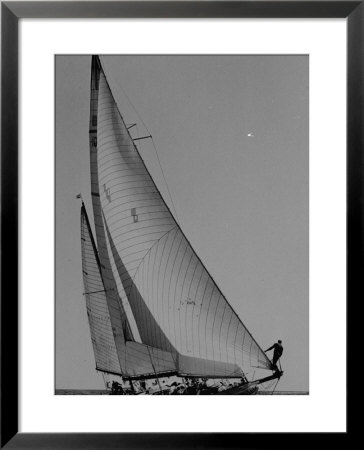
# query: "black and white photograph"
{"points": [[182, 224]]}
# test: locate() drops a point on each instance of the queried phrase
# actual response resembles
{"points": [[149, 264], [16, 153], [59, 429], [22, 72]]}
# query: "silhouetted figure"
{"points": [[277, 353], [117, 388], [244, 379]]}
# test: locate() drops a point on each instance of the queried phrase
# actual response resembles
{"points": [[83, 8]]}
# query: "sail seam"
{"points": [[182, 288], [176, 284], [187, 309], [169, 286], [142, 260]]}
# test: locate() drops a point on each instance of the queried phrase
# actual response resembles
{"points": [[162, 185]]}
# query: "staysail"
{"points": [[102, 337], [176, 305], [113, 353]]}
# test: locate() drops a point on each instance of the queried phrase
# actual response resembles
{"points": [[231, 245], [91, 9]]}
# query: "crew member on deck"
{"points": [[277, 353], [117, 388]]}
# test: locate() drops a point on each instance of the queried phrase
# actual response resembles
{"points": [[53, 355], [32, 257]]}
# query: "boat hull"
{"points": [[245, 389]]}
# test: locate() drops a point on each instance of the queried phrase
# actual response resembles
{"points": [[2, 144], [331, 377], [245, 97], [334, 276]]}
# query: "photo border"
{"points": [[11, 13]]}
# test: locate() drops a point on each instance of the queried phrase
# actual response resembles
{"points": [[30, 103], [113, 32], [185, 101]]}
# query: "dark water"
{"points": [[103, 392]]}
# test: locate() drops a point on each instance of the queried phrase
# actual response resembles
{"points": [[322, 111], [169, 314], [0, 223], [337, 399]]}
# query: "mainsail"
{"points": [[163, 295]]}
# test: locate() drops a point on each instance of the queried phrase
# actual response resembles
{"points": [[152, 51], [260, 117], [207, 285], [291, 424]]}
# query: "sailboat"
{"points": [[154, 311]]}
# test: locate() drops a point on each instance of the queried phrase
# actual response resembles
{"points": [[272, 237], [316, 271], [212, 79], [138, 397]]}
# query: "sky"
{"points": [[231, 134]]}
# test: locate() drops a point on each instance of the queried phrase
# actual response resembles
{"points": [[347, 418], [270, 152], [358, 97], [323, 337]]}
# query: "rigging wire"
{"points": [[151, 137], [105, 382], [275, 386], [280, 366], [267, 386]]}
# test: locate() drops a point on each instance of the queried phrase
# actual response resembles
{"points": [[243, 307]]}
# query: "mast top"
{"points": [[95, 61]]}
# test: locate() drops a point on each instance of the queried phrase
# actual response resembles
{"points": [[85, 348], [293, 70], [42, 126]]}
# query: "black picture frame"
{"points": [[11, 12]]}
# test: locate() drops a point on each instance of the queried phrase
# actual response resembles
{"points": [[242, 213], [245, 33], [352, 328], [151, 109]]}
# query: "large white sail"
{"points": [[176, 304]]}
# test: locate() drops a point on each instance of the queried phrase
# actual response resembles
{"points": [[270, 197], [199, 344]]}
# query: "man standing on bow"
{"points": [[277, 353]]}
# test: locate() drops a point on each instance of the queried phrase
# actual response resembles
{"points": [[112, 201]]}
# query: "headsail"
{"points": [[113, 353], [176, 304], [97, 310]]}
